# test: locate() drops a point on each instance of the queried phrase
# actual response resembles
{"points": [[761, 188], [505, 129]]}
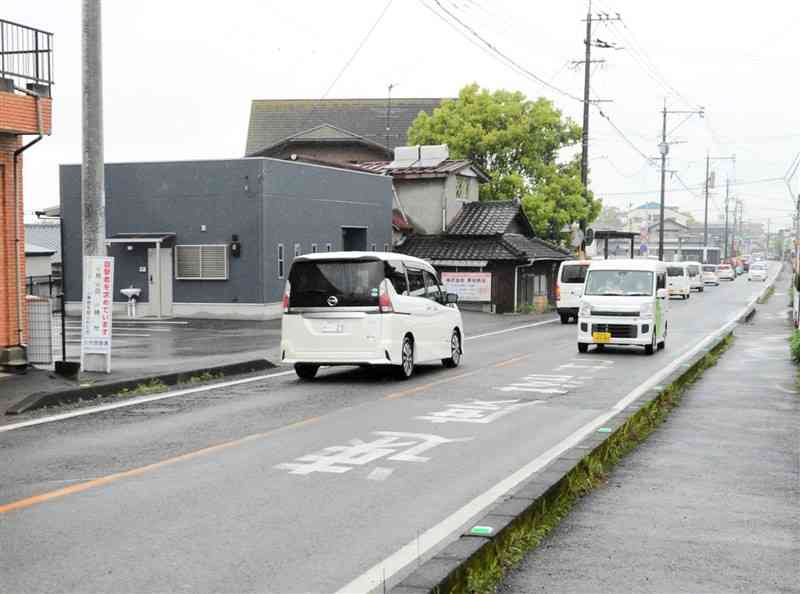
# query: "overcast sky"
{"points": [[179, 76]]}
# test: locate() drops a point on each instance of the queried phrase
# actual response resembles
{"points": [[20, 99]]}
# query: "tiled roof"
{"points": [[272, 121], [486, 218], [482, 247], [443, 169], [47, 236]]}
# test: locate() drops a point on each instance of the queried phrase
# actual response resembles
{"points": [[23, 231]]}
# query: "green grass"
{"points": [[151, 387], [794, 346], [206, 376], [765, 297], [486, 569]]}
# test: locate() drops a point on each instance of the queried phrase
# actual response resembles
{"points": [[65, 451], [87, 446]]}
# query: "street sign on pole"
{"points": [[98, 301]]}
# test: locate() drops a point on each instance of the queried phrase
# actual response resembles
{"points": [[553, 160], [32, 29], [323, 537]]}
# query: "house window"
{"points": [[297, 250], [327, 247], [313, 248], [373, 248], [462, 188], [201, 262], [281, 261], [385, 247]]}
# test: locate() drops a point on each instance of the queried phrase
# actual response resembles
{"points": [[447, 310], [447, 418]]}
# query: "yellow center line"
{"points": [[111, 478]]}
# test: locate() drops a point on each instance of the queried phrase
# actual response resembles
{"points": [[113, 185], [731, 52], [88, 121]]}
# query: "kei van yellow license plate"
{"points": [[601, 336]]}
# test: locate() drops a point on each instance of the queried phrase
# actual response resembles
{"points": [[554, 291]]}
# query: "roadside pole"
{"points": [[97, 294]]}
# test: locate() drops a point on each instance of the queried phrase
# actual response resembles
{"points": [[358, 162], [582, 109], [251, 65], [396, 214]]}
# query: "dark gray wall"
{"points": [[310, 204], [175, 197], [264, 201]]}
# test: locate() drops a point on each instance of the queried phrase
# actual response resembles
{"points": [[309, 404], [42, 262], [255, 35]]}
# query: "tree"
{"points": [[612, 218], [518, 143]]}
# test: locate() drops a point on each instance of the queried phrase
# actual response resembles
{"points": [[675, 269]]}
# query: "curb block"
{"points": [[70, 395], [446, 573]]}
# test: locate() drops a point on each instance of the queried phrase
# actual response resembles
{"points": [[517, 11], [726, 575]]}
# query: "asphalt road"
{"points": [[233, 489]]}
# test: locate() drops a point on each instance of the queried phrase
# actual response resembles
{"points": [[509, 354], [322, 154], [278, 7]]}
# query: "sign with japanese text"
{"points": [[469, 286], [98, 300]]}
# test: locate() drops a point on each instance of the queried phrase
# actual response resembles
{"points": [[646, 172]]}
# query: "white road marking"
{"points": [[512, 329], [140, 400], [784, 390], [376, 576], [380, 474]]}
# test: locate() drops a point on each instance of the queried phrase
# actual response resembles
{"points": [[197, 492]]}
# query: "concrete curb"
{"points": [[70, 395], [448, 571]]}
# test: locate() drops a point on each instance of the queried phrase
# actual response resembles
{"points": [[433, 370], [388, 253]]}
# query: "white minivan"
{"points": [[569, 288], [678, 282], [695, 270], [624, 303], [368, 308]]}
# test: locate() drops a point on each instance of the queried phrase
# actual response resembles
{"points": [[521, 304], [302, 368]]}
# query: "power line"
{"points": [[496, 51], [744, 183], [348, 62]]}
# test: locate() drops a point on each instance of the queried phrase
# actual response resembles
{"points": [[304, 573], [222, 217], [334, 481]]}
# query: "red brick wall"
{"points": [[8, 284], [18, 114]]}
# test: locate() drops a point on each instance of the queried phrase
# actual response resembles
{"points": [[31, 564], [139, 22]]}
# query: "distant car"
{"points": [[678, 282], [695, 270], [757, 272], [569, 288], [710, 274], [725, 272]]}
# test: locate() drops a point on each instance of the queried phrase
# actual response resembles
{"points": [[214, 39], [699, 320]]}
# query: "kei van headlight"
{"points": [[646, 311], [585, 310]]}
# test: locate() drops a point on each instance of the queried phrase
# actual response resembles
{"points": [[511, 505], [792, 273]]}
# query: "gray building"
{"points": [[216, 238]]}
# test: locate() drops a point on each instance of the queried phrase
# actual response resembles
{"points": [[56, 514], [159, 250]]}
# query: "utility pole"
{"points": [[663, 149], [93, 195], [587, 62], [705, 217], [727, 199], [707, 185]]}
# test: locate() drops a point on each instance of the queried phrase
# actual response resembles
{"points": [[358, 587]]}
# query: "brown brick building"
{"points": [[25, 116]]}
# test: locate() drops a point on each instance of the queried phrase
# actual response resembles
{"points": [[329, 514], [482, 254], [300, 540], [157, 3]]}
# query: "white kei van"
{"points": [[569, 288], [678, 280], [624, 303], [695, 270], [368, 308]]}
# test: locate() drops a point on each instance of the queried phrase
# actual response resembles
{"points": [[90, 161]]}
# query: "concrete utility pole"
{"points": [[663, 148], [705, 217], [587, 62], [93, 192], [727, 199]]}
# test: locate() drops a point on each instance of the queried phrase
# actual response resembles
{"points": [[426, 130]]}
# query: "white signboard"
{"points": [[98, 292], [469, 286]]}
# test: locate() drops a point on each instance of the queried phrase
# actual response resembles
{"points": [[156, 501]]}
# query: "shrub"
{"points": [[794, 346]]}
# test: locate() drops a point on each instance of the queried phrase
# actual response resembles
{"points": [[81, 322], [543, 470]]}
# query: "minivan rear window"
{"points": [[574, 273], [709, 268], [674, 271], [330, 283]]}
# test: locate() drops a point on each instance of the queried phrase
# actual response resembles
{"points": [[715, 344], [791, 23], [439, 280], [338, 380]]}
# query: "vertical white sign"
{"points": [[98, 300]]}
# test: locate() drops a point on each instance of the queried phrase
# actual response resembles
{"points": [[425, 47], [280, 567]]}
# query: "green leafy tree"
{"points": [[610, 217], [518, 143]]}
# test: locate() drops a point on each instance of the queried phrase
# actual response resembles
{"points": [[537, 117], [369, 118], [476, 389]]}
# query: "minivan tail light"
{"points": [[384, 300], [286, 292], [558, 292]]}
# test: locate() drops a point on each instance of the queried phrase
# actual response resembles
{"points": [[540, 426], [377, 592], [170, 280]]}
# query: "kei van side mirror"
{"points": [[451, 298], [662, 294]]}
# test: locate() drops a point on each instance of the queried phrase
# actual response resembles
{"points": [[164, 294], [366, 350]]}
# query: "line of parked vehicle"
{"points": [[391, 310], [626, 302]]}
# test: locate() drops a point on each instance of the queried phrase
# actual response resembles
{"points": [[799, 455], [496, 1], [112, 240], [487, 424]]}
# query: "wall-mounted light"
{"points": [[130, 248], [236, 246]]}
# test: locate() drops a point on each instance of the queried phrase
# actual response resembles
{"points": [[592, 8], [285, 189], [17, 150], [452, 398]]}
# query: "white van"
{"points": [[569, 288], [710, 274], [624, 302], [695, 270], [368, 308], [678, 280]]}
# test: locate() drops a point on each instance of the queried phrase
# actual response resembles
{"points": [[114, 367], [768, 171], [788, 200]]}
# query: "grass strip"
{"points": [[765, 297], [484, 570]]}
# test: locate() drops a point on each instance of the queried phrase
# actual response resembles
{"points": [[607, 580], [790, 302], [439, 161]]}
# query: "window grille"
{"points": [[201, 262]]}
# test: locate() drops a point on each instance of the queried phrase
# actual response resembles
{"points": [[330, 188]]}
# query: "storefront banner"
{"points": [[469, 286]]}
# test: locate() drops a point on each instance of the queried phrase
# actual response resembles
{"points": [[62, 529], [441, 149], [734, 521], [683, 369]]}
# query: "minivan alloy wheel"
{"points": [[406, 368], [455, 351]]}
